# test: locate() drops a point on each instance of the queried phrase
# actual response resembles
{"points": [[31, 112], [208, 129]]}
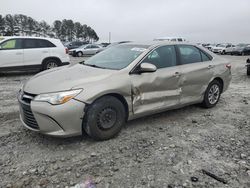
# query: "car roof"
{"points": [[29, 37], [151, 44]]}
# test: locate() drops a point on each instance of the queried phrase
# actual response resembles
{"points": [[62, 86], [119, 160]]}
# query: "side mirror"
{"points": [[147, 67]]}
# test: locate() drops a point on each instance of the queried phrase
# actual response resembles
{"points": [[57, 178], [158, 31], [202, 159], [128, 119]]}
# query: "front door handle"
{"points": [[19, 53], [177, 74], [45, 51]]}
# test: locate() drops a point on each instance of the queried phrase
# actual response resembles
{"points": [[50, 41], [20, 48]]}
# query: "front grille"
{"points": [[26, 113]]}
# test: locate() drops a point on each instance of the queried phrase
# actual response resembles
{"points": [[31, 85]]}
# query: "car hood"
{"points": [[65, 78]]}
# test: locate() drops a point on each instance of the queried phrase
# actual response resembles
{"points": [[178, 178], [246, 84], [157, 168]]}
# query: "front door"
{"points": [[157, 90], [11, 53]]}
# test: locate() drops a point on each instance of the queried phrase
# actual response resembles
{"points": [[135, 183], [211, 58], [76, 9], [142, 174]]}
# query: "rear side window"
{"points": [[37, 43], [42, 43], [30, 43], [94, 46], [162, 57], [189, 54], [11, 44]]}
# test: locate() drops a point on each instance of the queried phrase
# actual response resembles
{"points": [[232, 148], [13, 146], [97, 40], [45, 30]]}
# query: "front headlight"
{"points": [[57, 98]]}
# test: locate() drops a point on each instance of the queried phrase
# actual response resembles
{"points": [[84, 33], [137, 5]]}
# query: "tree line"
{"points": [[66, 30]]}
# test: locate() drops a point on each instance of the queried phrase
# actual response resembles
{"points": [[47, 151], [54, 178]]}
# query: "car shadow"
{"points": [[18, 73]]}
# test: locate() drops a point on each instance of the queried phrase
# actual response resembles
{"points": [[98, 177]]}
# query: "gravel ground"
{"points": [[163, 150]]}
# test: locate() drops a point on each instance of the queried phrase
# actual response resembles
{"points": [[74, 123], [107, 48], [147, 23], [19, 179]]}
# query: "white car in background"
{"points": [[221, 49], [28, 53], [88, 49], [170, 39]]}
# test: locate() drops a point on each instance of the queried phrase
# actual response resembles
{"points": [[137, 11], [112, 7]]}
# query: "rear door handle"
{"points": [[19, 53], [45, 51], [210, 66]]}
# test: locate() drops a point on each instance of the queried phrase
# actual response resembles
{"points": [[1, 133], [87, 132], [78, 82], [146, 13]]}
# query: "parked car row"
{"points": [[227, 48], [92, 49]]}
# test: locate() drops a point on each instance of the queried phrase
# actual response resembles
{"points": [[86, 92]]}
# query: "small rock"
{"points": [[25, 173], [194, 121], [78, 175], [32, 170], [44, 182], [243, 156], [68, 168], [62, 159], [56, 167], [194, 179], [248, 172], [189, 162], [9, 186], [71, 183], [93, 154], [150, 177], [172, 146]]}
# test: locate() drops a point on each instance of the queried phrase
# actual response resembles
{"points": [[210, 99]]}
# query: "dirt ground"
{"points": [[163, 150]]}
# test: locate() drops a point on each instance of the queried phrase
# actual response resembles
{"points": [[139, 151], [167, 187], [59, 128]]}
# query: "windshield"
{"points": [[83, 46], [222, 45], [117, 57]]}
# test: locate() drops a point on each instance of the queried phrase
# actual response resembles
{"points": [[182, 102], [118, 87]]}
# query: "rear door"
{"points": [[11, 53], [34, 53], [196, 73], [157, 90]]}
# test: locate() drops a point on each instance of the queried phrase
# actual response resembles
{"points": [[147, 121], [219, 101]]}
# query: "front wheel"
{"points": [[104, 118], [212, 94], [248, 70]]}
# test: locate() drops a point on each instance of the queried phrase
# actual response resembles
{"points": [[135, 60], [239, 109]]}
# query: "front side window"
{"points": [[189, 54], [11, 44], [162, 57], [205, 57]]}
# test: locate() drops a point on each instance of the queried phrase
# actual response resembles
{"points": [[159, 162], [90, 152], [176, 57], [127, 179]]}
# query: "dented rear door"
{"points": [[196, 72], [158, 90]]}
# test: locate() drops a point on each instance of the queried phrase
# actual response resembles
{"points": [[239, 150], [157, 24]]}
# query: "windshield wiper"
{"points": [[91, 65]]}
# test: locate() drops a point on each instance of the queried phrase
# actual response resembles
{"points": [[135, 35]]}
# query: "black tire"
{"points": [[208, 101], [104, 118], [79, 54], [248, 70], [223, 52], [50, 63]]}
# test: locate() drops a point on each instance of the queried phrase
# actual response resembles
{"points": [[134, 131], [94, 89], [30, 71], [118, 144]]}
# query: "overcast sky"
{"points": [[196, 20]]}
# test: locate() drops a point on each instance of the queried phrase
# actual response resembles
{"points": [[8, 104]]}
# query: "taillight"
{"points": [[66, 50], [229, 66]]}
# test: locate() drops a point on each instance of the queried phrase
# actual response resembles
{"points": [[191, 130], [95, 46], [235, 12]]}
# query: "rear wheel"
{"points": [[50, 63], [212, 94], [79, 54], [104, 118]]}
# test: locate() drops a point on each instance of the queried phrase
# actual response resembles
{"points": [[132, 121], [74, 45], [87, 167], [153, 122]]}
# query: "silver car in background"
{"points": [[88, 49], [121, 83]]}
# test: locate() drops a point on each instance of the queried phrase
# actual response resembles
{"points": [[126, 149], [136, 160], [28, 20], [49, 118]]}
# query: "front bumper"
{"points": [[55, 120]]}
